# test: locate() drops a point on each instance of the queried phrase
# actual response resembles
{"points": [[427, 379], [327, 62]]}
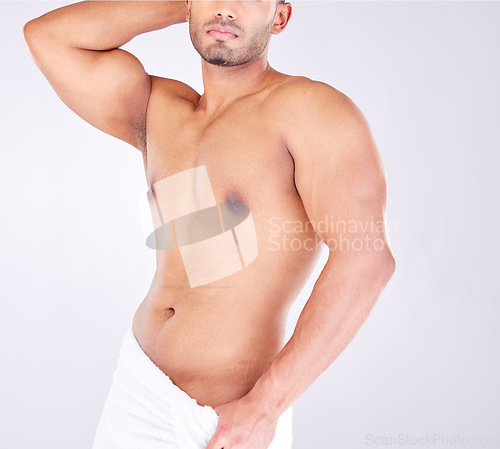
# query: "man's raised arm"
{"points": [[341, 181], [76, 49]]}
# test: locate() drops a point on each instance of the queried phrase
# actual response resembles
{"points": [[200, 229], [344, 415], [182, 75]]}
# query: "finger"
{"points": [[218, 443], [212, 444], [215, 443]]}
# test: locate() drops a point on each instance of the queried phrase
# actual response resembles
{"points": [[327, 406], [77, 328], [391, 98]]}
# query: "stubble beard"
{"points": [[219, 54]]}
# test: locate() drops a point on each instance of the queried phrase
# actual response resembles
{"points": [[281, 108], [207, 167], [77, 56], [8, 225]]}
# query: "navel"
{"points": [[168, 312]]}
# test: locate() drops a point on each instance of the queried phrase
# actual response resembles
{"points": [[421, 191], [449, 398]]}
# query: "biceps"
{"points": [[108, 89], [344, 197]]}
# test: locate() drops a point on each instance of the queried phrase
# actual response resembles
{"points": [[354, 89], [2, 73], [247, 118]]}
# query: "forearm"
{"points": [[340, 302], [104, 25]]}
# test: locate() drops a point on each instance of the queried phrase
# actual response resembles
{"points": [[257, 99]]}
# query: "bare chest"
{"points": [[218, 186], [237, 157]]}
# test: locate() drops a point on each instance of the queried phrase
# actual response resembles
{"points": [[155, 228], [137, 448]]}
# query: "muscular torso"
{"points": [[215, 340]]}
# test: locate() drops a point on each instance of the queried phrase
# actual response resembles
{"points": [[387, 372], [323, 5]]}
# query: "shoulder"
{"points": [[309, 111], [169, 100], [298, 92], [171, 89]]}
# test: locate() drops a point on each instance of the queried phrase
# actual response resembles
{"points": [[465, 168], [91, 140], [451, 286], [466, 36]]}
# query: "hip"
{"points": [[212, 355], [144, 408]]}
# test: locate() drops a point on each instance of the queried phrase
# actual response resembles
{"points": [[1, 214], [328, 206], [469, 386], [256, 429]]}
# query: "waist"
{"points": [[215, 348]]}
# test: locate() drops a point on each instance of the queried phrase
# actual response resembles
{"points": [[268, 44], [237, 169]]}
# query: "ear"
{"points": [[283, 14]]}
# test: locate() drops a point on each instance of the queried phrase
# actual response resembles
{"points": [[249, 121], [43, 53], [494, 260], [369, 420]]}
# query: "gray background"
{"points": [[74, 266]]}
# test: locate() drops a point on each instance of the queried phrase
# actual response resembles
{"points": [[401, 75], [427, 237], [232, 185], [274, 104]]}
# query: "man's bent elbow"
{"points": [[378, 273], [27, 30], [386, 264], [379, 266], [31, 30], [391, 268]]}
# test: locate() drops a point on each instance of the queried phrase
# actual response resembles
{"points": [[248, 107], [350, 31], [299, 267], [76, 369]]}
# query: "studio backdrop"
{"points": [[74, 266]]}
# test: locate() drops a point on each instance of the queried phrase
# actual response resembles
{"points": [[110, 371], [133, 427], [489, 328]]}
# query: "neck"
{"points": [[223, 85]]}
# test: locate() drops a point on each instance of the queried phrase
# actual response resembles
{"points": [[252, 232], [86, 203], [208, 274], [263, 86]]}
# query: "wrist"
{"points": [[265, 398]]}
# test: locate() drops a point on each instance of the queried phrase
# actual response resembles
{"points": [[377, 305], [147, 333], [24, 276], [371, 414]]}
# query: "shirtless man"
{"points": [[285, 150]]}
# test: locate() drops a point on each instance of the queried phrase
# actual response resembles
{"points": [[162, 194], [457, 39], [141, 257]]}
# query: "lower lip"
{"points": [[221, 35]]}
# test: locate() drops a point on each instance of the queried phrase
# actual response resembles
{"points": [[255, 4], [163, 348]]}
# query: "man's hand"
{"points": [[243, 423]]}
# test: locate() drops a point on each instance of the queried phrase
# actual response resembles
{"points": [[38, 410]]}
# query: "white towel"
{"points": [[144, 409]]}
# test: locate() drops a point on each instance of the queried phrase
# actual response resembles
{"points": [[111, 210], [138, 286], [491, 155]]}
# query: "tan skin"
{"points": [[285, 146], [204, 338]]}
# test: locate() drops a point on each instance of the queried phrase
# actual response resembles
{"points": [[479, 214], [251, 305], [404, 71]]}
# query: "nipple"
{"points": [[235, 203]]}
